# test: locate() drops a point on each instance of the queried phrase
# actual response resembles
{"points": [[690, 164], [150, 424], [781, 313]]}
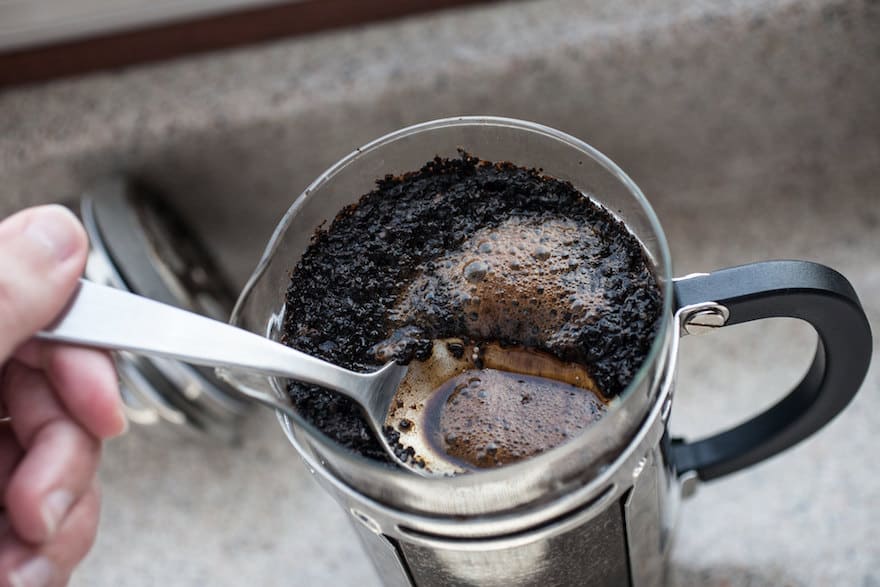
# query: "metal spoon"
{"points": [[108, 318]]}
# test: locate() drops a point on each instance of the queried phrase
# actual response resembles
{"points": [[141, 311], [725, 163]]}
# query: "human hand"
{"points": [[61, 402]]}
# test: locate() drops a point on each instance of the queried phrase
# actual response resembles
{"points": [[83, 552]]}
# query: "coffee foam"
{"points": [[532, 280], [487, 418]]}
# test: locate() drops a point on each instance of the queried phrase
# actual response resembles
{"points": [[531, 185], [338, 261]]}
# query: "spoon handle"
{"points": [[108, 318]]}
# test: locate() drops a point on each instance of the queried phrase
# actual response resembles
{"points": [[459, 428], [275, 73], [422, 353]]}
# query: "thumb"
{"points": [[42, 254]]}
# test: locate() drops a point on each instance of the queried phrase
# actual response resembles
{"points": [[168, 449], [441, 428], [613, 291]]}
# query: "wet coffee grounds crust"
{"points": [[406, 265]]}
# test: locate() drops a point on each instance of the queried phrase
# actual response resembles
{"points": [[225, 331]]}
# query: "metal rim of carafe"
{"points": [[520, 485]]}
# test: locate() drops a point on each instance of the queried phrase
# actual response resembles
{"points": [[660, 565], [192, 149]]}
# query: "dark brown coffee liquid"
{"points": [[488, 418]]}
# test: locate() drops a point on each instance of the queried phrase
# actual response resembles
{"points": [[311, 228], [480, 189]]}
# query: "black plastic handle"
{"points": [[796, 289]]}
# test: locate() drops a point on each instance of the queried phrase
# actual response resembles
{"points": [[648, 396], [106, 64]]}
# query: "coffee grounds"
{"points": [[351, 301]]}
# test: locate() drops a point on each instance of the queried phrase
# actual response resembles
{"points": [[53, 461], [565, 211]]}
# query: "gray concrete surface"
{"points": [[752, 126]]}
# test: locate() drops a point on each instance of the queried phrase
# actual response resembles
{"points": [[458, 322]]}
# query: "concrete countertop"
{"points": [[751, 125]]}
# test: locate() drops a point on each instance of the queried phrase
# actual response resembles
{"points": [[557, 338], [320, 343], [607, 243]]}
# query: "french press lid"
{"points": [[140, 244]]}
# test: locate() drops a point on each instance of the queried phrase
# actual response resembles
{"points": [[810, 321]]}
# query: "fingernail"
{"points": [[37, 572], [53, 228], [55, 507]]}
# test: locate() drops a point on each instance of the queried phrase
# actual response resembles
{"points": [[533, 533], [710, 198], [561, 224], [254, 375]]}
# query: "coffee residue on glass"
{"points": [[479, 252]]}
